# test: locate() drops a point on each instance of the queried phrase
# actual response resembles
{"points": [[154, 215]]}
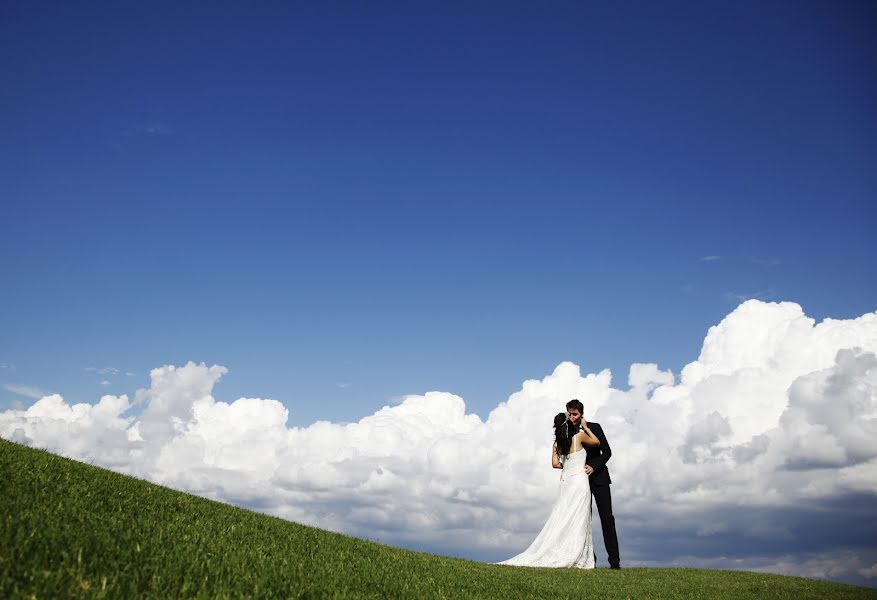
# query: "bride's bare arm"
{"points": [[588, 439], [555, 458]]}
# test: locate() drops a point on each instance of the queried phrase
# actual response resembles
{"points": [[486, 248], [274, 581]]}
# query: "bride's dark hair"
{"points": [[563, 433]]}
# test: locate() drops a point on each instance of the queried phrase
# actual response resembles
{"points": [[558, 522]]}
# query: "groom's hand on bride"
{"points": [[589, 469]]}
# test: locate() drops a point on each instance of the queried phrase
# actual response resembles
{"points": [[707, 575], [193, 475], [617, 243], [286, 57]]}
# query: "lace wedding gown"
{"points": [[565, 540]]}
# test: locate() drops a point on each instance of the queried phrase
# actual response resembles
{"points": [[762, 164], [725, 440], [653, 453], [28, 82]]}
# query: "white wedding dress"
{"points": [[565, 540]]}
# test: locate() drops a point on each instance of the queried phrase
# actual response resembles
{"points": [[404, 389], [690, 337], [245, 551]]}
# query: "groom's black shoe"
{"points": [[615, 566]]}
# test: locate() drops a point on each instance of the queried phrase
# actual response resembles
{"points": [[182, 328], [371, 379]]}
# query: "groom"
{"points": [[598, 474]]}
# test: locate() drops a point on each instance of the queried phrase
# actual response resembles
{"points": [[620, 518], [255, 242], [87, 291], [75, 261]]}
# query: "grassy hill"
{"points": [[68, 529]]}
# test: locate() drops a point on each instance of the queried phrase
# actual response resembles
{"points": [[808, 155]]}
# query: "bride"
{"points": [[565, 540]]}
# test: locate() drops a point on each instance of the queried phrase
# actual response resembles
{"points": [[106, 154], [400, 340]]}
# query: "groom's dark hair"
{"points": [[575, 404]]}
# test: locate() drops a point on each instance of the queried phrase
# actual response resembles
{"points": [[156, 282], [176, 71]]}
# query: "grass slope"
{"points": [[68, 529]]}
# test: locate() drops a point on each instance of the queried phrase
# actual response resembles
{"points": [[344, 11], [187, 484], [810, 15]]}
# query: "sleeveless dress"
{"points": [[565, 540]]}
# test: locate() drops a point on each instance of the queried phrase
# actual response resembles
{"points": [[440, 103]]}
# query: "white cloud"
{"points": [[28, 391], [842, 564], [763, 446], [710, 258], [648, 376], [103, 370], [95, 433], [822, 566], [7, 366]]}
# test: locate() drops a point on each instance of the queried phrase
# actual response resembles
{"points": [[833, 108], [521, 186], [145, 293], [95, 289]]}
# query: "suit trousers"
{"points": [[603, 497]]}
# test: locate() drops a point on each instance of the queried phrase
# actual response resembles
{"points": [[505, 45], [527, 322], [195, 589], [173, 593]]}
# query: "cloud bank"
{"points": [[761, 454]]}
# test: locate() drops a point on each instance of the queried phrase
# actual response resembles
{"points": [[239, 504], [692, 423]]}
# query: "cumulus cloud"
{"points": [[762, 447], [92, 432]]}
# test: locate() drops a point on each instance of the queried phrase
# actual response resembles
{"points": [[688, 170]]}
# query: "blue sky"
{"points": [[343, 204]]}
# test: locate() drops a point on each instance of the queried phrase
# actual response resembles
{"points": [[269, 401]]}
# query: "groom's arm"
{"points": [[599, 462]]}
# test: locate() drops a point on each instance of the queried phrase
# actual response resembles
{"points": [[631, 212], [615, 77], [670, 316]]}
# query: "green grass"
{"points": [[68, 529]]}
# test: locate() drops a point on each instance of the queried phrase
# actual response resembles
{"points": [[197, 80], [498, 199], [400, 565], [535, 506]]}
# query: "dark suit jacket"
{"points": [[598, 456]]}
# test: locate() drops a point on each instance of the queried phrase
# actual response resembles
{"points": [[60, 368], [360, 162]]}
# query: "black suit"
{"points": [[600, 480]]}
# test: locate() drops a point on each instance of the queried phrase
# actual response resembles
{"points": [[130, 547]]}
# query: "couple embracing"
{"points": [[580, 449]]}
